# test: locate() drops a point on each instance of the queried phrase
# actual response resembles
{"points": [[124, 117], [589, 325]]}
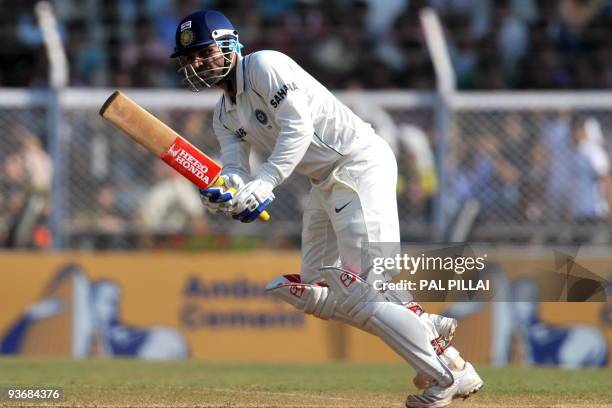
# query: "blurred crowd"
{"points": [[114, 195], [506, 44], [548, 172], [538, 169], [533, 176]]}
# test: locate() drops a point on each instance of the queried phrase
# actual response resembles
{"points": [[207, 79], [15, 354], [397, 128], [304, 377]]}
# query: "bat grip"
{"points": [[219, 182]]}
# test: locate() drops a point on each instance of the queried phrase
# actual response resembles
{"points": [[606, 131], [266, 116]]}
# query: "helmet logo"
{"points": [[186, 38]]}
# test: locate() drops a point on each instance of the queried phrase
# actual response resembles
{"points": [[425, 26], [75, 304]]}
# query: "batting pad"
{"points": [[403, 332], [312, 299]]}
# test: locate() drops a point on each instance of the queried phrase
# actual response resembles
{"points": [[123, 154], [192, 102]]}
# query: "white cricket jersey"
{"points": [[287, 115]]}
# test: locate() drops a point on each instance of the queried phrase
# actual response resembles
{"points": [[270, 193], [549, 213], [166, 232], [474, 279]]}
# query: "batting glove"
{"points": [[251, 200], [220, 198]]}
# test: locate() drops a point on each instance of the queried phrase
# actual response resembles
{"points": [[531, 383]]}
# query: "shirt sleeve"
{"points": [[234, 151], [279, 84]]}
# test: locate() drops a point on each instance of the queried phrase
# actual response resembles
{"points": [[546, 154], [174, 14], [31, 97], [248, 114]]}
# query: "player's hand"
{"points": [[251, 200], [217, 199], [220, 197]]}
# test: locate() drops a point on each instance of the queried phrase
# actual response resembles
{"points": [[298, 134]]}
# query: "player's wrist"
{"points": [[267, 181]]}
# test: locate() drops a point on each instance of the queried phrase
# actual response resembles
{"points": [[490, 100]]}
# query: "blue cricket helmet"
{"points": [[202, 28]]}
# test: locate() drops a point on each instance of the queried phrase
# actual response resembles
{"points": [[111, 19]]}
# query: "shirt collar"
{"points": [[240, 71]]}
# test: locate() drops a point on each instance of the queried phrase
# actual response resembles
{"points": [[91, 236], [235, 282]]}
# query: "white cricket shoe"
{"points": [[466, 382]]}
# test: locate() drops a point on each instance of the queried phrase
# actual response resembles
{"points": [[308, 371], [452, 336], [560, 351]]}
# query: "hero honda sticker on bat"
{"points": [[191, 163]]}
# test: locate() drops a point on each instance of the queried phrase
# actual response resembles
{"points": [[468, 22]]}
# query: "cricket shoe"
{"points": [[466, 382]]}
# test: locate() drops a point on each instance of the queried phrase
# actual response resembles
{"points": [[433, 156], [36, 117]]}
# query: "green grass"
{"points": [[130, 383]]}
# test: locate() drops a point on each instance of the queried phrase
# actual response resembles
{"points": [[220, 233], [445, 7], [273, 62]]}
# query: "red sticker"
{"points": [[194, 165]]}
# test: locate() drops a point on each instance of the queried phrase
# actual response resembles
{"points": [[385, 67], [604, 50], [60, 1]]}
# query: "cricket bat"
{"points": [[150, 132]]}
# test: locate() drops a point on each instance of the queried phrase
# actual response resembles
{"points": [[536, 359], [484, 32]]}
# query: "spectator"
{"points": [[26, 185], [87, 58], [506, 188], [536, 175], [492, 179], [172, 205], [511, 39], [461, 180], [37, 161], [579, 31], [144, 54], [379, 21], [556, 139], [423, 177], [590, 167], [13, 198]]}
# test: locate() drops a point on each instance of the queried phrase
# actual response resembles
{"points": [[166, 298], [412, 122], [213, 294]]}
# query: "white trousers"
{"points": [[348, 216], [350, 212]]}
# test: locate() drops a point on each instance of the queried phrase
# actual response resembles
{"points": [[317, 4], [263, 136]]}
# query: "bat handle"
{"points": [[219, 182]]}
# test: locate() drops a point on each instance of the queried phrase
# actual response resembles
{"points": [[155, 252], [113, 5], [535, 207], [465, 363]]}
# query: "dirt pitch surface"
{"points": [[129, 383]]}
